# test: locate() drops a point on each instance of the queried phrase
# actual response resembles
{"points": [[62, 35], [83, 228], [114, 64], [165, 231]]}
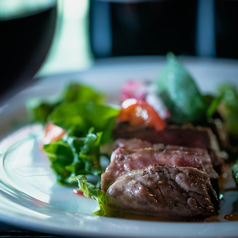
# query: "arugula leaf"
{"points": [[180, 93], [90, 152], [39, 110], [90, 190], [72, 156], [60, 155], [87, 152], [78, 117]]}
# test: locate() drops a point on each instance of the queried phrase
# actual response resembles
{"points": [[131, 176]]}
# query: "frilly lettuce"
{"points": [[90, 190], [71, 156]]}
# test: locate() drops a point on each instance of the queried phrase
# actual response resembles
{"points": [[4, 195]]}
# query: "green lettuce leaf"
{"points": [[180, 93], [78, 117], [84, 93], [39, 110], [90, 190]]}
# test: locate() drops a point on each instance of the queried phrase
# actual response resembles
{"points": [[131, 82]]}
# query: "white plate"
{"points": [[29, 195]]}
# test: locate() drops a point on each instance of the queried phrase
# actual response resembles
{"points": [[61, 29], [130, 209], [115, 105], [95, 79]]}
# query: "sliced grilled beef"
{"points": [[124, 160], [203, 154], [164, 191], [133, 143], [206, 161], [187, 136]]}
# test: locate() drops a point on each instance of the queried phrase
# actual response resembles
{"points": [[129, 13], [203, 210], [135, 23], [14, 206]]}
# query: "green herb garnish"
{"points": [[180, 93], [90, 190]]}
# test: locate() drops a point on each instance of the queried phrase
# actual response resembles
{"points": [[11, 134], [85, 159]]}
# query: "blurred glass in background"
{"points": [[70, 50]]}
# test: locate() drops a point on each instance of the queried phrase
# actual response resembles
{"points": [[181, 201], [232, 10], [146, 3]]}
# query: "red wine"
{"points": [[24, 43]]}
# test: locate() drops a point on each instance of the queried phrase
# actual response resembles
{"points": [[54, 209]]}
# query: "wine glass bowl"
{"points": [[27, 29]]}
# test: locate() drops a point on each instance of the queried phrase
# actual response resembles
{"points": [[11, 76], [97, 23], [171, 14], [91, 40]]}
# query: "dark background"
{"points": [[185, 27]]}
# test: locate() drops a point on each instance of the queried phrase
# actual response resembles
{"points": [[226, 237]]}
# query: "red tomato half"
{"points": [[52, 133], [139, 112]]}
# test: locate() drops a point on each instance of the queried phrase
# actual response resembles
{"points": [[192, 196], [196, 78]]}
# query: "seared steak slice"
{"points": [[206, 159], [188, 136], [131, 144], [164, 191], [124, 160]]}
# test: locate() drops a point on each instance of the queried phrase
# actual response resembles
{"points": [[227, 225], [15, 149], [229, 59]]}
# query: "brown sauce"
{"points": [[231, 217]]}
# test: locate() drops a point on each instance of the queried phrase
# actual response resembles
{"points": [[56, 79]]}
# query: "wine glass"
{"points": [[26, 32]]}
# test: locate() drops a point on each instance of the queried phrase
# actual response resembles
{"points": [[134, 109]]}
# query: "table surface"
{"points": [[7, 230], [10, 231]]}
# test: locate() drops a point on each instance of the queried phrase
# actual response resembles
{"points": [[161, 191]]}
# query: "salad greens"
{"points": [[180, 94], [38, 110], [80, 92], [78, 117], [187, 104], [71, 156], [60, 155], [88, 124]]}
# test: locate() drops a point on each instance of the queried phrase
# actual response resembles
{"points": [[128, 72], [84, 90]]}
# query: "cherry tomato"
{"points": [[139, 112], [52, 133]]}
